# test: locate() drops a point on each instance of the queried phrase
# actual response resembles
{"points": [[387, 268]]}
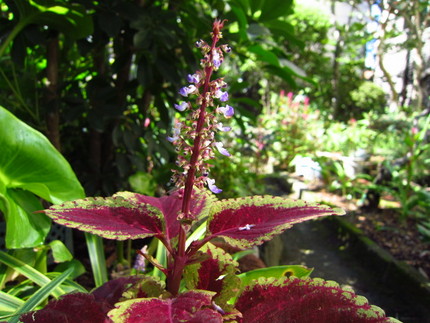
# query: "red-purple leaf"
{"points": [[77, 307], [111, 292], [171, 205], [305, 301], [111, 218], [216, 274], [192, 306], [250, 221], [94, 307]]}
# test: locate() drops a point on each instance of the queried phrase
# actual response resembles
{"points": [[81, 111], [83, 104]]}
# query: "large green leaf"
{"points": [[272, 9], [23, 228], [29, 163], [70, 19]]}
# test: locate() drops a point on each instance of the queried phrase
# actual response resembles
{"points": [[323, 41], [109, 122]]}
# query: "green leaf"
{"points": [[97, 258], [161, 256], [9, 303], [40, 295], [242, 22], [143, 183], [69, 286], [29, 162], [284, 73], [264, 55], [24, 228], [281, 27], [29, 272], [275, 272], [71, 19], [273, 9], [197, 234], [255, 6], [60, 251], [78, 268]]}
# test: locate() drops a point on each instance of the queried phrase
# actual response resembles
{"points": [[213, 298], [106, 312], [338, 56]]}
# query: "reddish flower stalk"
{"points": [[202, 132]]}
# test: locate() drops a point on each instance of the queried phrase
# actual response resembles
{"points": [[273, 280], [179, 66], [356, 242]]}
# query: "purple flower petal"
{"points": [[222, 96], [216, 59], [184, 91], [228, 111], [221, 127], [176, 132], [221, 149], [194, 78], [139, 263], [212, 186], [181, 107]]}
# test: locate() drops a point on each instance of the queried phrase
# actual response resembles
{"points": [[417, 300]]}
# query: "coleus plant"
{"points": [[202, 283]]}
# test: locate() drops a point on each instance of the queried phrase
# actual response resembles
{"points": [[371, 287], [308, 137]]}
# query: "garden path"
{"points": [[317, 244]]}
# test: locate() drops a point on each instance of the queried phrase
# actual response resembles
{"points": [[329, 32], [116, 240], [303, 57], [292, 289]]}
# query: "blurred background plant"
{"points": [[99, 80]]}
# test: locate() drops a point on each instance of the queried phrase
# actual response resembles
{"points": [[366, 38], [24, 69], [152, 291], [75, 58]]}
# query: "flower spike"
{"points": [[195, 138]]}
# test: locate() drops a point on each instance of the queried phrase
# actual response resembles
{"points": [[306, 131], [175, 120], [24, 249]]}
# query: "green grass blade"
{"points": [[161, 256], [197, 234], [36, 276], [97, 258], [9, 303], [69, 285], [40, 296]]}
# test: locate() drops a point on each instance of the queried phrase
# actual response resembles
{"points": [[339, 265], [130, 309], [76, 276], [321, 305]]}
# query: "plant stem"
{"points": [[180, 258]]}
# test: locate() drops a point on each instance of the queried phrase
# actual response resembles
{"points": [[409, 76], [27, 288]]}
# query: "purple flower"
{"points": [[221, 149], [226, 48], [221, 127], [222, 96], [176, 132], [181, 107], [200, 43], [194, 78], [216, 59], [212, 186], [187, 90], [139, 263], [228, 111]]}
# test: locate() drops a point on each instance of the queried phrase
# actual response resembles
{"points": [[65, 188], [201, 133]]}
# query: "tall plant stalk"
{"points": [[202, 132]]}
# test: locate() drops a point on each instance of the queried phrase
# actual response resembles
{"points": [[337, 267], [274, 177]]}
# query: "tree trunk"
{"points": [[52, 98]]}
